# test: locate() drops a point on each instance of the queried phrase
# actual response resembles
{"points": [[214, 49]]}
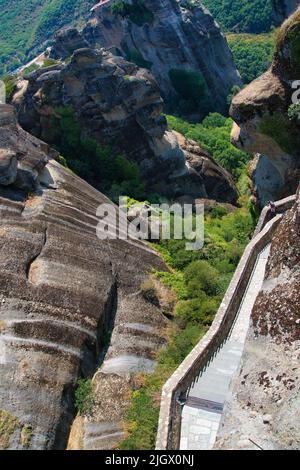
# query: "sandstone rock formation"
{"points": [[119, 105], [165, 35], [264, 410], [61, 290], [264, 123], [217, 180], [282, 9]]}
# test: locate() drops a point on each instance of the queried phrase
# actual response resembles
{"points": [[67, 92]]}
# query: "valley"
{"points": [[112, 343]]}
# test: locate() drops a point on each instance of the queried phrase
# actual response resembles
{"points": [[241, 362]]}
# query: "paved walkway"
{"points": [[202, 413]]}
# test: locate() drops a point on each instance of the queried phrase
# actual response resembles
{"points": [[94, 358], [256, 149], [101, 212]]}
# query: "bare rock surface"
{"points": [[61, 290], [165, 35]]}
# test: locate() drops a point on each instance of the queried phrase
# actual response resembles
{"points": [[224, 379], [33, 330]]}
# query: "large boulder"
{"points": [[119, 105], [62, 289], [166, 35]]}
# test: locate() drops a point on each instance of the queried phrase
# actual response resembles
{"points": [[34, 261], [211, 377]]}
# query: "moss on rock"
{"points": [[8, 425]]}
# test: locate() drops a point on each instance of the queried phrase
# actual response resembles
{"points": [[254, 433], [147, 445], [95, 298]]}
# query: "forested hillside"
{"points": [[252, 53], [242, 16], [25, 24]]}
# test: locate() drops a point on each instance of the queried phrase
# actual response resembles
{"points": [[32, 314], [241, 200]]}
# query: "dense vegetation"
{"points": [[108, 172], [213, 135], [242, 16], [192, 93], [252, 53], [27, 24], [84, 397], [198, 280], [138, 13]]}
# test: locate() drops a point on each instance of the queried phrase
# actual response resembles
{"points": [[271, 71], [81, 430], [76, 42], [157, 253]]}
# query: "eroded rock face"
{"points": [[263, 124], [265, 403], [22, 156], [168, 34], [282, 9], [61, 290], [118, 105], [216, 179]]}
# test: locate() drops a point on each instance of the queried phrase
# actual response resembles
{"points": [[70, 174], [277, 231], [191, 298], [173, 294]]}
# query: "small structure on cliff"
{"points": [[101, 3]]}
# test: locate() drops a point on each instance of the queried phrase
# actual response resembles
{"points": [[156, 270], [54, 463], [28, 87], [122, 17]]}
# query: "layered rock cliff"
{"points": [[282, 9], [62, 289], [164, 36], [264, 410], [266, 114], [119, 105]]}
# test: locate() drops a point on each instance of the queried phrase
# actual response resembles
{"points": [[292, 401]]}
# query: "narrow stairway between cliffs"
{"points": [[202, 412]]}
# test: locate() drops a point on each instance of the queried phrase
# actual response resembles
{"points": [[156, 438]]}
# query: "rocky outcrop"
{"points": [[264, 123], [61, 290], [282, 9], [217, 180], [118, 105], [166, 35], [264, 409]]}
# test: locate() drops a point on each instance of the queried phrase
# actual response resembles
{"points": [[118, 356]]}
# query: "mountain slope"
{"points": [[27, 24], [244, 16]]}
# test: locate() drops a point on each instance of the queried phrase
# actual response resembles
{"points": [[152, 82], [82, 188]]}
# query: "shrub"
{"points": [[138, 13], [203, 273], [133, 55], [8, 424], [110, 173], [197, 310], [31, 68], [49, 61], [174, 280], [192, 92], [294, 112], [188, 84], [149, 292], [26, 435], [10, 82], [84, 396]]}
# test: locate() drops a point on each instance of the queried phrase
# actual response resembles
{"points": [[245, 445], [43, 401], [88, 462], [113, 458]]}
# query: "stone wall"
{"points": [[170, 412], [265, 216]]}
